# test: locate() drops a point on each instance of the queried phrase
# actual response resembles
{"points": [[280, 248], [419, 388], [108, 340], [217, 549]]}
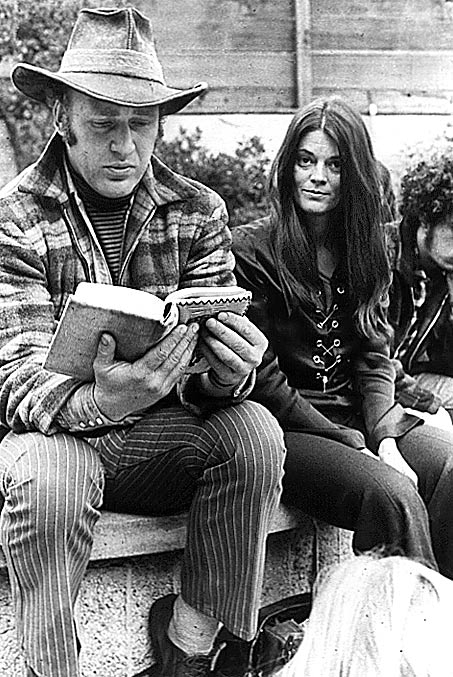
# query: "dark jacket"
{"points": [[430, 349], [315, 362]]}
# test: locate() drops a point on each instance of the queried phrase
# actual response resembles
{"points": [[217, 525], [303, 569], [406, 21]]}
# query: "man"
{"points": [[421, 306], [99, 206]]}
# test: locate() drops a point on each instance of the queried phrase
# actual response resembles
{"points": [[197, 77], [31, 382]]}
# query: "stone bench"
{"points": [[136, 559]]}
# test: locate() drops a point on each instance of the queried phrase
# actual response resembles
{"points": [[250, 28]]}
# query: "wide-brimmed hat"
{"points": [[111, 56]]}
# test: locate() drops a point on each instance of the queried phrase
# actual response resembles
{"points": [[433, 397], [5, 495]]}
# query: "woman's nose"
{"points": [[318, 173]]}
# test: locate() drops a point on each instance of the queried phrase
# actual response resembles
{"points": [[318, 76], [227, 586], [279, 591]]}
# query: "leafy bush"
{"points": [[239, 178], [427, 185]]}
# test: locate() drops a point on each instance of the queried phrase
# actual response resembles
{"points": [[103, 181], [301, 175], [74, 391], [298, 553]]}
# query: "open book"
{"points": [[137, 320]]}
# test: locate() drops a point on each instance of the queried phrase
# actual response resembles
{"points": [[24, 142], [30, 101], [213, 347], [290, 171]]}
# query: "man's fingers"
{"points": [[172, 346], [106, 351], [220, 355], [228, 325]]}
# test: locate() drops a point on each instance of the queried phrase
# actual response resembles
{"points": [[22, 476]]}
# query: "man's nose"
{"points": [[122, 141]]}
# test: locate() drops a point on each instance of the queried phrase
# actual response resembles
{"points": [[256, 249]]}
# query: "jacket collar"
{"points": [[43, 178]]}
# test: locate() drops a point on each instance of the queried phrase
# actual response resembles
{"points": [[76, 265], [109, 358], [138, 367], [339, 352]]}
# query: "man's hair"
{"points": [[427, 191], [376, 616]]}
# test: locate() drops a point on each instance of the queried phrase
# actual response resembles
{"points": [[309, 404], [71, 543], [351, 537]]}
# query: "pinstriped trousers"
{"points": [[227, 470]]}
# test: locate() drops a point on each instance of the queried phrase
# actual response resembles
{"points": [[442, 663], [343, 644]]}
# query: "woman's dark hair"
{"points": [[356, 221]]}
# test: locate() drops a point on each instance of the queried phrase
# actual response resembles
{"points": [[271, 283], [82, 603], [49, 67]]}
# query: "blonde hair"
{"points": [[378, 617]]}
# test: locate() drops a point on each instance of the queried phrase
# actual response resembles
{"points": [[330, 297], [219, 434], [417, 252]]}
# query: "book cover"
{"points": [[136, 319]]}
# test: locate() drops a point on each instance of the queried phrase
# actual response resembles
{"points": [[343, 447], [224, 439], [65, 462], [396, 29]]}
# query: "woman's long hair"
{"points": [[374, 617], [356, 222]]}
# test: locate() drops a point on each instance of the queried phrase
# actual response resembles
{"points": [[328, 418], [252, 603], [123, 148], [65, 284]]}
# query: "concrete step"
{"points": [[136, 559]]}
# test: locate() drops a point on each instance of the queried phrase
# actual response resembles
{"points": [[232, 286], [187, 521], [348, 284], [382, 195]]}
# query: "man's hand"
{"points": [[123, 388], [390, 454], [233, 347]]}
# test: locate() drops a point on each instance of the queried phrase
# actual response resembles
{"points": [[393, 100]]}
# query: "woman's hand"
{"points": [[390, 454]]}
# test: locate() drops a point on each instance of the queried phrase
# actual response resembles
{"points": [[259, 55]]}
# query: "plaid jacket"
{"points": [[177, 237]]}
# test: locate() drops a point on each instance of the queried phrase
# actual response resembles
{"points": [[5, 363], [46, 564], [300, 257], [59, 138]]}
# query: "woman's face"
{"points": [[317, 173]]}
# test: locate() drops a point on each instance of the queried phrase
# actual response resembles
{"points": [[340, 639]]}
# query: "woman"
{"points": [[373, 617], [318, 271]]}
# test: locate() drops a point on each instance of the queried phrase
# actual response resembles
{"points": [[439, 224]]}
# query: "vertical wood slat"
{"points": [[304, 76]]}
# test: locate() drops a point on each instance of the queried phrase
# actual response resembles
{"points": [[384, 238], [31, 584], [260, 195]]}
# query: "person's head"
{"points": [[326, 172], [378, 616], [109, 145], [108, 97], [427, 207]]}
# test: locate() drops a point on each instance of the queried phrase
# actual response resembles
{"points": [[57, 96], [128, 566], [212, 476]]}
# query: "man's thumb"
{"points": [[106, 350]]}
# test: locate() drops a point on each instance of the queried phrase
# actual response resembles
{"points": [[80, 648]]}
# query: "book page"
{"points": [[123, 299]]}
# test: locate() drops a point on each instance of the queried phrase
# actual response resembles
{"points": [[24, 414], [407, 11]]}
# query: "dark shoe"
{"points": [[171, 661]]}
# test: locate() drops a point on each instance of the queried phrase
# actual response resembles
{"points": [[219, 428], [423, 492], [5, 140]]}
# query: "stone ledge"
{"points": [[120, 535]]}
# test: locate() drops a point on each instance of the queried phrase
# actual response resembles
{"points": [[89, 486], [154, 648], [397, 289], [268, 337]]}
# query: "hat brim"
{"points": [[36, 83]]}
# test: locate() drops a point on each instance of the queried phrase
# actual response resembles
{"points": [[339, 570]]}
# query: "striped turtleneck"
{"points": [[108, 217]]}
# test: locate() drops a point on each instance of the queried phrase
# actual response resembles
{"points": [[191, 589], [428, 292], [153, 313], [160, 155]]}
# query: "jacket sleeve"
{"points": [[293, 411], [410, 394], [375, 382], [30, 397]]}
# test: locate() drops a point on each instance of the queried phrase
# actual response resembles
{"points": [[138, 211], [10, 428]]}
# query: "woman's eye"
{"points": [[304, 161], [335, 165]]}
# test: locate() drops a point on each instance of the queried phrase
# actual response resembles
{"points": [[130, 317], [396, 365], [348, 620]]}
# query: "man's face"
{"points": [[113, 144], [437, 254]]}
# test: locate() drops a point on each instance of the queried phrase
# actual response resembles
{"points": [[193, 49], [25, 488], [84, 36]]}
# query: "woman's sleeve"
{"points": [[375, 382]]}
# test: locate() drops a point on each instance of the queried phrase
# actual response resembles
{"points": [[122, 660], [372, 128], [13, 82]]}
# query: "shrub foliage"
{"points": [[239, 178], [427, 187]]}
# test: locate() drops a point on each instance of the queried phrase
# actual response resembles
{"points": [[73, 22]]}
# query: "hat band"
{"points": [[112, 61]]}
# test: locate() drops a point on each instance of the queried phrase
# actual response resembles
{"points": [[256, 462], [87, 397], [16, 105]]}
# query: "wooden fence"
{"points": [[274, 55]]}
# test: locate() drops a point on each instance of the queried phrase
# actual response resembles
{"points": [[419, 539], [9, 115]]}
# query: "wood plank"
{"points": [[203, 25], [244, 100], [382, 24], [231, 69], [247, 82], [392, 102], [400, 70]]}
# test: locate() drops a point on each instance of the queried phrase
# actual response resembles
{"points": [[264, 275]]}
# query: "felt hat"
{"points": [[111, 56]]}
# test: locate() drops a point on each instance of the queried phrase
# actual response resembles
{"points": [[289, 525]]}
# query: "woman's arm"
{"points": [[375, 382]]}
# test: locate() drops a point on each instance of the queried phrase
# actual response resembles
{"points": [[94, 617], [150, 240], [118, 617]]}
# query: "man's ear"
{"points": [[57, 113]]}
